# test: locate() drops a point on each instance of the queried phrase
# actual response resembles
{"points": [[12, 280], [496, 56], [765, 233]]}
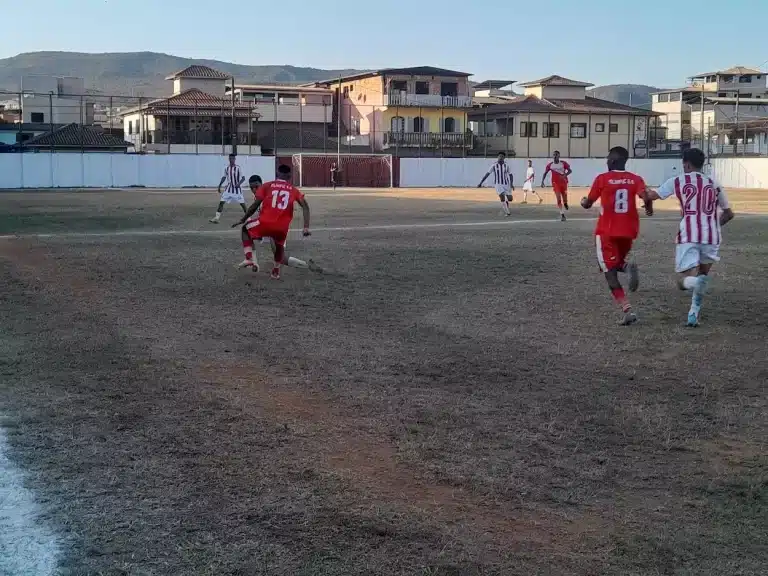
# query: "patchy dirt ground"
{"points": [[450, 400]]}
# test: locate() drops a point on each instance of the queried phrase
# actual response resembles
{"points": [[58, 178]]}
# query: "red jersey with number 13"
{"points": [[277, 200], [617, 191]]}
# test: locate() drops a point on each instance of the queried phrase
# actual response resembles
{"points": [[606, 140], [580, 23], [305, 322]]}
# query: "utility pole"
{"points": [[234, 120], [338, 130]]}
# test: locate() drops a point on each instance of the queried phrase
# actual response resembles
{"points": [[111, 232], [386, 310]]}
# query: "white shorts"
{"points": [[528, 186], [502, 189], [235, 195], [688, 256]]}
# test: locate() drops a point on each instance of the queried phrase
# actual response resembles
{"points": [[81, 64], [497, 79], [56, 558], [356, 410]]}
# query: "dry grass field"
{"points": [[453, 397]]}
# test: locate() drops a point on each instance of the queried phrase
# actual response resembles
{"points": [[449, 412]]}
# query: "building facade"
{"points": [[554, 113], [55, 100]]}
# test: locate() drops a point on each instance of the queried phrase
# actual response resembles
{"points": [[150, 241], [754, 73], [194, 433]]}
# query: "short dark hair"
{"points": [[233, 155], [283, 169], [502, 154], [556, 152], [254, 180], [694, 157], [620, 152]]}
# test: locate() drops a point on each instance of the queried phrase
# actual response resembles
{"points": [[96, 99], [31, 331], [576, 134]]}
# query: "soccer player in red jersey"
{"points": [[700, 230], [274, 200], [560, 172], [618, 225]]}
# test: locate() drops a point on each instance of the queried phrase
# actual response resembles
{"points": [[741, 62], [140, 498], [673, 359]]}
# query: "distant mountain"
{"points": [[638, 95], [141, 73]]}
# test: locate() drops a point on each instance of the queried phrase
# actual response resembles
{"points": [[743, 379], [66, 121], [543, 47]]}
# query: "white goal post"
{"points": [[313, 170]]}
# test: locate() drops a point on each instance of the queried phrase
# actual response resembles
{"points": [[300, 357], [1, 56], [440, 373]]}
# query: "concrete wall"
{"points": [[101, 170]]}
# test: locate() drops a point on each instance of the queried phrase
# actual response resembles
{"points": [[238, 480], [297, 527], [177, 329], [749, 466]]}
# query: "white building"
{"points": [[55, 100]]}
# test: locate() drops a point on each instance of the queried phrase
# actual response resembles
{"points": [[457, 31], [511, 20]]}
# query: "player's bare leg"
{"points": [[612, 277], [217, 216], [244, 206], [505, 204], [248, 249], [282, 258], [559, 198], [696, 280]]}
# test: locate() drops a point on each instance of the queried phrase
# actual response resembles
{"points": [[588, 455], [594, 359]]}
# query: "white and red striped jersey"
{"points": [[501, 174], [232, 178], [699, 197]]}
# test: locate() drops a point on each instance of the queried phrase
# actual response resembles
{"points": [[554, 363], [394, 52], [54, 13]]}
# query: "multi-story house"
{"points": [[555, 113], [55, 100], [403, 110]]}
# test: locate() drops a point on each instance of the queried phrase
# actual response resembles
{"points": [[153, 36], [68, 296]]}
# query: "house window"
{"points": [[398, 86], [578, 130], [449, 89], [449, 125], [600, 127], [727, 79], [529, 129], [37, 117], [722, 95], [675, 96], [745, 79], [418, 124], [422, 87], [130, 126], [551, 130], [355, 126], [614, 128], [397, 124], [663, 97]]}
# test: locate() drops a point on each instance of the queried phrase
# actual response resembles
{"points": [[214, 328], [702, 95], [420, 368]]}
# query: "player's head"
{"points": [[283, 172], [693, 160], [254, 182], [556, 156], [232, 158], [530, 163], [502, 156], [617, 158]]}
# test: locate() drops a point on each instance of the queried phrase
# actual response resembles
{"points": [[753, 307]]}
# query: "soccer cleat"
{"points": [[634, 276], [313, 267], [541, 200], [524, 202], [275, 274], [629, 318], [213, 221], [565, 205], [693, 320], [248, 264], [562, 218]]}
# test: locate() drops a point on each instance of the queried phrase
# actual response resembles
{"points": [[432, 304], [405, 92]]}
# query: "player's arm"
{"points": [[641, 191], [726, 213], [484, 179], [662, 192], [252, 209], [594, 194], [568, 170], [305, 214], [512, 181], [221, 182], [544, 176]]}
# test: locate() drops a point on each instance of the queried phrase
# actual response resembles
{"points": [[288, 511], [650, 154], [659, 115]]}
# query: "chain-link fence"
{"points": [[199, 123]]}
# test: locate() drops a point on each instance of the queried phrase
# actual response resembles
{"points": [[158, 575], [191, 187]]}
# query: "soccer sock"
{"points": [[217, 216], [702, 281], [525, 196], [248, 250], [621, 299], [689, 282], [296, 263]]}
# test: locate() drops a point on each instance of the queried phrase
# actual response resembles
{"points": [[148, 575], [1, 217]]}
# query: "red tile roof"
{"points": [[559, 106], [555, 80], [77, 136], [191, 100], [198, 71]]}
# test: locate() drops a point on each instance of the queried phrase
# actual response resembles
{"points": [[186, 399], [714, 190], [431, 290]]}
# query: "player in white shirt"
{"points": [[700, 230], [233, 191], [530, 174], [502, 181]]}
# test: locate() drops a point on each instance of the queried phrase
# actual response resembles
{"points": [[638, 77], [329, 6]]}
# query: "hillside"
{"points": [[638, 95], [140, 73]]}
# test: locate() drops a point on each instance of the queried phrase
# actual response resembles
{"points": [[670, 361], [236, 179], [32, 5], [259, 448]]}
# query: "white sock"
{"points": [[296, 263], [689, 282], [525, 196], [217, 216], [699, 289]]}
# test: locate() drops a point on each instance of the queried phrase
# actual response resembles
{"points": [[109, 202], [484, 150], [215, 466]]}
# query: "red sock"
{"points": [[248, 249], [621, 299]]}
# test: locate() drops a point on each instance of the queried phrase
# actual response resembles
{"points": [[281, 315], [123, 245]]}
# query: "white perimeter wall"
{"points": [[466, 172], [104, 170]]}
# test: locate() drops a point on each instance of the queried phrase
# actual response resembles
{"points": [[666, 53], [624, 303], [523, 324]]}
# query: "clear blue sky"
{"points": [[657, 42]]}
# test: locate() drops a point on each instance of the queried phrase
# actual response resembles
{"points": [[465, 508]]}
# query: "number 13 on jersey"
{"points": [[280, 199]]}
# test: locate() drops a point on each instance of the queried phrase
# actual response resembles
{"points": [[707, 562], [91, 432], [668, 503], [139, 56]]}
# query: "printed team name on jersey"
{"points": [[621, 181]]}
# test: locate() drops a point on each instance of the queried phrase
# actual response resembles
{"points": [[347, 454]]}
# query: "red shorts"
{"points": [[612, 252], [258, 230], [560, 187]]}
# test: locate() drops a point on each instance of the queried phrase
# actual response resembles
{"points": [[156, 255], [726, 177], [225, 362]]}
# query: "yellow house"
{"points": [[555, 114], [403, 110]]}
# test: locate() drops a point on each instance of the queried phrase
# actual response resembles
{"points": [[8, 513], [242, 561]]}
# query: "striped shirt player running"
{"points": [[502, 181], [700, 230], [233, 192]]}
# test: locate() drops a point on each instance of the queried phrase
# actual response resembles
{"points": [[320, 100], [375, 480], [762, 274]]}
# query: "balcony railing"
{"points": [[427, 140], [427, 100]]}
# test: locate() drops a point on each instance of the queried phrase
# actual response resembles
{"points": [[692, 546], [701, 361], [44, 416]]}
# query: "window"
{"points": [[449, 125], [422, 87], [600, 127], [728, 79], [722, 95], [37, 117], [663, 97], [356, 126], [551, 130], [745, 79], [130, 126], [504, 126], [675, 96], [578, 130], [529, 129], [418, 124], [398, 86], [614, 128], [397, 124], [449, 89], [745, 95]]}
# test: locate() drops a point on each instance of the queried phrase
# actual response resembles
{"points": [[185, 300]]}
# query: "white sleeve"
{"points": [[667, 189]]}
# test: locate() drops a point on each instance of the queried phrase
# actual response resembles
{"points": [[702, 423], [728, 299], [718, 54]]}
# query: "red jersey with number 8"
{"points": [[617, 191], [277, 200]]}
